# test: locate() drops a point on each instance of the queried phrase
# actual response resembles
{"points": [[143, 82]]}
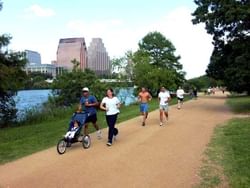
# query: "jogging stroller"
{"points": [[74, 133]]}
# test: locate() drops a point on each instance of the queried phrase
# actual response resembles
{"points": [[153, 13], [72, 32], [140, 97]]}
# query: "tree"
{"points": [[155, 63], [68, 86], [160, 50], [123, 66], [202, 82], [76, 65], [12, 78], [228, 22]]}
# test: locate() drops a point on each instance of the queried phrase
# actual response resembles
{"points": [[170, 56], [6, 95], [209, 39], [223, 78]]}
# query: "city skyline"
{"points": [[38, 25]]}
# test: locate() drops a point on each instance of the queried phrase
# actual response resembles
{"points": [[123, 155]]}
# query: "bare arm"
{"points": [[149, 97], [118, 105], [103, 107], [80, 107], [139, 98]]}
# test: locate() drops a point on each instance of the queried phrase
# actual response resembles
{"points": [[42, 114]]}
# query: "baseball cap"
{"points": [[85, 89]]}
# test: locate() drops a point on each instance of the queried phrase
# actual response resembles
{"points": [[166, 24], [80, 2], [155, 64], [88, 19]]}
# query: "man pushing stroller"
{"points": [[88, 104]]}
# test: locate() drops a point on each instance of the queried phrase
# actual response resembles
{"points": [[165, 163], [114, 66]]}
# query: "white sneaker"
{"points": [[161, 123], [99, 134], [109, 144]]}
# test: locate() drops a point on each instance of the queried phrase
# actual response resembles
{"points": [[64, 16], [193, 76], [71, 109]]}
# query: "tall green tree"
{"points": [[155, 63], [228, 22], [12, 78], [160, 50]]}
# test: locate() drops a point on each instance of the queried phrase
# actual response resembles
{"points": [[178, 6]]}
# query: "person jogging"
{"points": [[88, 103], [144, 97], [111, 105], [180, 97], [164, 98]]}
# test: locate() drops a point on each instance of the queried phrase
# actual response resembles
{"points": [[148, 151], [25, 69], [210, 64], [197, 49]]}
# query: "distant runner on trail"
{"points": [[180, 97], [144, 97], [164, 98]]}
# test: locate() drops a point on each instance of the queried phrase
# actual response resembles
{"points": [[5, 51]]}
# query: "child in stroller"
{"points": [[74, 133], [73, 128]]}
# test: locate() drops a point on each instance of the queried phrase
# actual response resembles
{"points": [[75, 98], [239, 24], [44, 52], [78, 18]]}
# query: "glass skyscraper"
{"points": [[70, 49], [98, 59], [34, 58]]}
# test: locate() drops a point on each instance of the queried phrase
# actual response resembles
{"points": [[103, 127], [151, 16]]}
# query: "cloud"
{"points": [[117, 36], [192, 42], [39, 11]]}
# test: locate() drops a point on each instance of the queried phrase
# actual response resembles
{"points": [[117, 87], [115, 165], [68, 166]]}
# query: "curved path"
{"points": [[150, 156]]}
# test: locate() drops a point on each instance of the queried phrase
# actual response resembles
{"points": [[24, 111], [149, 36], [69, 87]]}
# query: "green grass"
{"points": [[20, 141], [227, 157], [239, 104]]}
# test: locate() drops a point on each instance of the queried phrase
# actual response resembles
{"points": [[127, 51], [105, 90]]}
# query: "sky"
{"points": [[38, 25]]}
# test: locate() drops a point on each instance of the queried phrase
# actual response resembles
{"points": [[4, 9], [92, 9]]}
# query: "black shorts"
{"points": [[180, 99], [92, 118]]}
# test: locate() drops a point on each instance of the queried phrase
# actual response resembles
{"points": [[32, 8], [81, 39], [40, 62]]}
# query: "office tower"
{"points": [[70, 49], [34, 58], [98, 59]]}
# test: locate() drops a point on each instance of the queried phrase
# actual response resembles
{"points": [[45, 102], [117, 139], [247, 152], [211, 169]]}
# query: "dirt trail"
{"points": [[150, 156]]}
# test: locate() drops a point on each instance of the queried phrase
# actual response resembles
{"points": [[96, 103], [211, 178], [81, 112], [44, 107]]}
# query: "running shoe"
{"points": [[109, 144]]}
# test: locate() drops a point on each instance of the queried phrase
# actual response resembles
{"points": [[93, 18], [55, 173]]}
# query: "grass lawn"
{"points": [[239, 104], [227, 162], [21, 141]]}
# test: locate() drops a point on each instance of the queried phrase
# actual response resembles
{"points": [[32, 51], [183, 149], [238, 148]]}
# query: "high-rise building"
{"points": [[98, 59], [70, 49], [34, 58]]}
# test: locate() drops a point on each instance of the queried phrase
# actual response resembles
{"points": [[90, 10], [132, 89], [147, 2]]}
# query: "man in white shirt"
{"points": [[164, 98], [180, 96]]}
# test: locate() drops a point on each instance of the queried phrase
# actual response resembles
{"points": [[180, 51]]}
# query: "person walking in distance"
{"points": [[111, 105], [88, 103], [180, 97], [164, 98], [144, 97]]}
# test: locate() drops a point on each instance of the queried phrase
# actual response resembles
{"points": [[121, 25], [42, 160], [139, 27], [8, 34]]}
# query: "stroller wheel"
{"points": [[86, 142], [61, 146]]}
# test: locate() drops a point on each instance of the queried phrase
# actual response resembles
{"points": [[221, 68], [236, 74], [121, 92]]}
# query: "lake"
{"points": [[28, 99]]}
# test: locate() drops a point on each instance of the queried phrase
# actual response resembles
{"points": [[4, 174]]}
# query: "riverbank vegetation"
{"points": [[227, 156], [37, 80]]}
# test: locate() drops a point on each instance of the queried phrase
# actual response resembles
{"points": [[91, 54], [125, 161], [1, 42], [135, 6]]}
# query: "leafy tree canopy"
{"points": [[12, 78], [68, 86], [225, 20], [155, 64], [229, 23], [160, 50]]}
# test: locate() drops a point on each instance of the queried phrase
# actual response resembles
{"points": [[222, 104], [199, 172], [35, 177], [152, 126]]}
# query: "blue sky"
{"points": [[38, 25]]}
